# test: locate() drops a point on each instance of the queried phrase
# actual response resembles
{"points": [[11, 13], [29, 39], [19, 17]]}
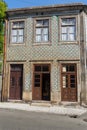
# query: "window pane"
{"points": [[46, 22], [71, 37], [14, 39], [20, 32], [71, 68], [37, 68], [65, 81], [64, 21], [45, 38], [39, 22], [15, 25], [45, 68], [45, 30], [38, 38], [64, 30], [71, 29], [68, 21], [72, 85], [64, 37], [14, 32], [20, 39], [38, 30], [21, 24]]}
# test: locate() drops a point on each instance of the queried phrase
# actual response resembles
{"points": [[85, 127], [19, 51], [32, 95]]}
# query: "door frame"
{"points": [[75, 73], [13, 63], [41, 64]]}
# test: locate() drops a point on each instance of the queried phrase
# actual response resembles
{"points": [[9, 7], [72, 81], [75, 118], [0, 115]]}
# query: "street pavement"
{"points": [[56, 109], [11, 119]]}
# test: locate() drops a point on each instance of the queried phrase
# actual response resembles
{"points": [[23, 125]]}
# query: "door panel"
{"points": [[68, 83], [16, 82], [37, 87]]}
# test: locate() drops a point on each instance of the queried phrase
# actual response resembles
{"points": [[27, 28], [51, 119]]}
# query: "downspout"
{"points": [[3, 97], [82, 59]]}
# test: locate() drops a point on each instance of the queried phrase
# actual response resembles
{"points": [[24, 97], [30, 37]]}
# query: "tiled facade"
{"points": [[55, 53]]}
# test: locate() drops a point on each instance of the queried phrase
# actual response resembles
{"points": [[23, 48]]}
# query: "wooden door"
{"points": [[16, 82], [41, 70], [69, 83], [37, 89]]}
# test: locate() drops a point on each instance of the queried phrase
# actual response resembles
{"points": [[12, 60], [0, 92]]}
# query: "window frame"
{"points": [[11, 24], [49, 30], [60, 29]]}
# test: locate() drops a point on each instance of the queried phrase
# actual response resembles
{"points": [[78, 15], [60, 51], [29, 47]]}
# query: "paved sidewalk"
{"points": [[77, 111]]}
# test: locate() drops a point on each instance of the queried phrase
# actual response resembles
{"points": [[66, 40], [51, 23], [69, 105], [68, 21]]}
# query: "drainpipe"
{"points": [[3, 98]]}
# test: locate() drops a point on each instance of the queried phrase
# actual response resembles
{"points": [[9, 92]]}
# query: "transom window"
{"points": [[17, 32], [42, 30], [68, 29]]}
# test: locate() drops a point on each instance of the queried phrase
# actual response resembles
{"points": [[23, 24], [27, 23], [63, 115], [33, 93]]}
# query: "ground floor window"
{"points": [[68, 82]]}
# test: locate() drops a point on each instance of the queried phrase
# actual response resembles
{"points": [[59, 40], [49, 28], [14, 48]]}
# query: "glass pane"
{"points": [[37, 80], [45, 68], [15, 25], [20, 39], [45, 30], [64, 69], [39, 22], [46, 22], [68, 21], [38, 38], [37, 68], [21, 24], [71, 68], [71, 29], [64, 21], [71, 37], [65, 81], [72, 21], [20, 31], [64, 30], [14, 39], [64, 37], [45, 38], [72, 85], [14, 32], [37, 76], [38, 31]]}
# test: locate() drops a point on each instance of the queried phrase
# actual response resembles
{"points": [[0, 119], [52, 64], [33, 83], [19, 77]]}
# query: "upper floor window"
{"points": [[68, 29], [17, 32], [42, 30]]}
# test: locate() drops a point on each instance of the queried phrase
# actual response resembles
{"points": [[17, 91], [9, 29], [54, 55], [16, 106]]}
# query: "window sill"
{"points": [[42, 43], [68, 42], [17, 44]]}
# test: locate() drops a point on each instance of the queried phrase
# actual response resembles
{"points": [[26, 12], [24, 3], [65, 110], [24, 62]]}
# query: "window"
{"points": [[42, 30], [17, 32], [68, 29]]}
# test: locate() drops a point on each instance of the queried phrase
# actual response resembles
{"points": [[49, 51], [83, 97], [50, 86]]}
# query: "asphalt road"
{"points": [[22, 120]]}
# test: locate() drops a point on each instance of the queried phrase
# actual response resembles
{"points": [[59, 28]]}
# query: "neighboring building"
{"points": [[45, 54]]}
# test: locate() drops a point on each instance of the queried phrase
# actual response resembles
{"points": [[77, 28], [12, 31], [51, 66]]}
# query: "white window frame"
{"points": [[18, 29], [60, 29], [42, 42]]}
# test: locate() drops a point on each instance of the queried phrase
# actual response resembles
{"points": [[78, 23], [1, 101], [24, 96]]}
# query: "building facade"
{"points": [[45, 54]]}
